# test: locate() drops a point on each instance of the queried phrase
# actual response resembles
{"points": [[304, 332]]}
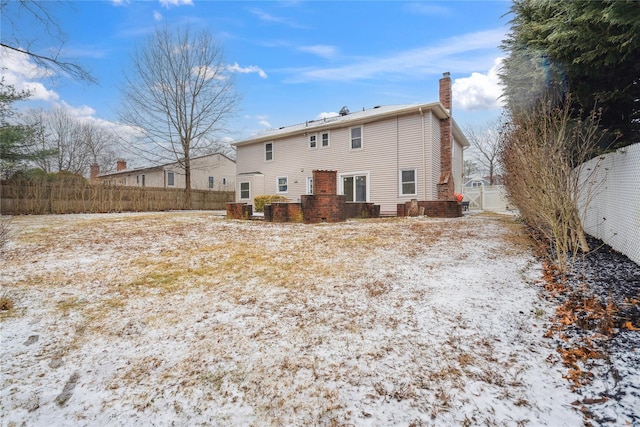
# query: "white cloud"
{"points": [[119, 2], [266, 17], [327, 115], [157, 16], [321, 50], [21, 73], [262, 121], [456, 54], [168, 3], [479, 91], [235, 68]]}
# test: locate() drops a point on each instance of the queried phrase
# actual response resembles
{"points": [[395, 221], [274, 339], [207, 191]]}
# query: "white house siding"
{"points": [[381, 158], [458, 165], [435, 156], [216, 165]]}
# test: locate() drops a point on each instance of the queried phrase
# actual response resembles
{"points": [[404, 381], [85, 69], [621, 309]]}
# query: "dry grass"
{"points": [[304, 324]]}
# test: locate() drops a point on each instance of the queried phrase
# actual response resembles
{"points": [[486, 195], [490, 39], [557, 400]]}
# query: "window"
{"points": [[408, 182], [325, 139], [137, 179], [282, 184], [224, 181], [309, 185], [143, 180], [170, 179], [356, 138], [268, 151], [355, 187], [476, 184], [210, 182], [244, 190], [313, 141]]}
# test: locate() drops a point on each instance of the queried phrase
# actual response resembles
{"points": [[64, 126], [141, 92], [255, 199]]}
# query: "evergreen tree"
{"points": [[590, 49]]}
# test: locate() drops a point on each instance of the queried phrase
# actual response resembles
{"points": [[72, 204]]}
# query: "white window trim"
{"points": [[211, 182], [309, 188], [367, 174], [309, 137], [278, 185], [328, 139], [361, 138], [240, 190], [272, 151], [415, 178], [174, 179]]}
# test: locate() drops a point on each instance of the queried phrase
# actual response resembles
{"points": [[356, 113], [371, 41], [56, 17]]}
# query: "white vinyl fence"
{"points": [[486, 197], [611, 195]]}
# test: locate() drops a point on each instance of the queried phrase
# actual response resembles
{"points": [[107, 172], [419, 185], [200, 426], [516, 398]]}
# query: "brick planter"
{"points": [[284, 212], [239, 211], [362, 210], [323, 208], [434, 208]]}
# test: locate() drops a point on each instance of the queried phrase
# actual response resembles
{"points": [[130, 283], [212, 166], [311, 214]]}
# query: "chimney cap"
{"points": [[446, 74]]}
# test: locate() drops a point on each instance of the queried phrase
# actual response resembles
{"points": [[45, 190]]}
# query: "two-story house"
{"points": [[386, 155]]}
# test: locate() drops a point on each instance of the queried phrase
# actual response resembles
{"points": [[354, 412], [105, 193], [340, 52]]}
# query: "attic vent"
{"points": [[344, 111]]}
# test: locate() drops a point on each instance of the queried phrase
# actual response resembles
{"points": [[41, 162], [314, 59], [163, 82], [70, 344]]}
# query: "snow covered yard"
{"points": [[186, 318]]}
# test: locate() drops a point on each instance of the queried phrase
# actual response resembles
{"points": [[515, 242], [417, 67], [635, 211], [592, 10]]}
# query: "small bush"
{"points": [[260, 201], [6, 303]]}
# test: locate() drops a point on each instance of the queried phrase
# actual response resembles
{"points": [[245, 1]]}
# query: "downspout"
{"points": [[424, 159], [398, 179]]}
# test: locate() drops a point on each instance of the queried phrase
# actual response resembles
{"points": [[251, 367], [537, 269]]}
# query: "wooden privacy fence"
{"points": [[24, 198]]}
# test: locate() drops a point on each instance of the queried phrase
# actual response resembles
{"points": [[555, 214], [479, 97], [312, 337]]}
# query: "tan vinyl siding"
{"points": [[458, 165], [389, 145]]}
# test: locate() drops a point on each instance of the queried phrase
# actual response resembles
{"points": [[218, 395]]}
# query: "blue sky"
{"points": [[293, 60]]}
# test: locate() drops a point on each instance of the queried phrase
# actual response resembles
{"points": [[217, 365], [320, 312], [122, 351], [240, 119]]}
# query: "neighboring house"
{"points": [[476, 182], [214, 172], [386, 155]]}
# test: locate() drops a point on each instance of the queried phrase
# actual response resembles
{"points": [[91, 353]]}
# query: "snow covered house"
{"points": [[386, 155], [214, 172]]}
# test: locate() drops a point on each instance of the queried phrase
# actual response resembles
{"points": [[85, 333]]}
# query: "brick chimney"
{"points": [[121, 165], [95, 171], [446, 186], [445, 91]]}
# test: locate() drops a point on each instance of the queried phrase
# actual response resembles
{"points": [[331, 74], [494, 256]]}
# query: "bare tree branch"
{"points": [[178, 95]]}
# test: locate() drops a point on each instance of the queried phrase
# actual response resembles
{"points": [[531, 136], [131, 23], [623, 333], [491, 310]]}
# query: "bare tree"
{"points": [[178, 95], [44, 48], [470, 168], [486, 143], [61, 142], [542, 154]]}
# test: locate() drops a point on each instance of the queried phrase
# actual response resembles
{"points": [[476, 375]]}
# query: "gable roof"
{"points": [[352, 119], [157, 167]]}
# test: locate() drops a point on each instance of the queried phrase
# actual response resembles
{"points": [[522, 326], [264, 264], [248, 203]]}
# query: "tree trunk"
{"points": [[187, 180]]}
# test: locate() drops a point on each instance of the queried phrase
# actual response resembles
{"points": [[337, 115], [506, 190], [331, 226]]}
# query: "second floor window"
{"points": [[356, 138], [325, 139], [268, 151], [313, 141]]}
